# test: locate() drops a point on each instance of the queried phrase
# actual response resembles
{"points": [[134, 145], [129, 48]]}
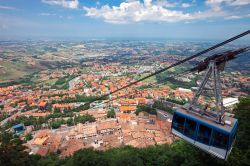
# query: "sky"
{"points": [[167, 19]]}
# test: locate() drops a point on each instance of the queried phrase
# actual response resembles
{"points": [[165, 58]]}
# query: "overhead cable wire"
{"points": [[160, 82], [175, 64]]}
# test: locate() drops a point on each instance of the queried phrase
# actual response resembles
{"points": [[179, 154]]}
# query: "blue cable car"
{"points": [[211, 131], [209, 136]]}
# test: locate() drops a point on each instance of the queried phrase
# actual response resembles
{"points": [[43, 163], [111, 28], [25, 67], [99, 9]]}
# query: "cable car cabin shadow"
{"points": [[207, 135]]}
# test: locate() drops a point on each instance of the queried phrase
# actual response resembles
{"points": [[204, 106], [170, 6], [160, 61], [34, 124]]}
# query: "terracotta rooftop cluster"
{"points": [[126, 129]]}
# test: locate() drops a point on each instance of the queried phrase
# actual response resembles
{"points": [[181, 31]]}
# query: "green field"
{"points": [[10, 70], [149, 80]]}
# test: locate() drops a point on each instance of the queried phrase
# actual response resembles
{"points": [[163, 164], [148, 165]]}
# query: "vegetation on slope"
{"points": [[13, 70], [176, 154]]}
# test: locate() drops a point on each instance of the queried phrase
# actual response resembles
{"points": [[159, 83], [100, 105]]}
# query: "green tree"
{"points": [[89, 157], [111, 113], [28, 136], [55, 124], [241, 152], [1, 106], [145, 108], [70, 122], [5, 137], [57, 110], [161, 106], [179, 153], [84, 118]]}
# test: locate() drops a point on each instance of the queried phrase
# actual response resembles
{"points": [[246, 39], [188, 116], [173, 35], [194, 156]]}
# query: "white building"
{"points": [[230, 101]]}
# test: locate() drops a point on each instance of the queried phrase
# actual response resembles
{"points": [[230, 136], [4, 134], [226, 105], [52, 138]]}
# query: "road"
{"points": [[164, 115], [3, 122], [73, 82]]}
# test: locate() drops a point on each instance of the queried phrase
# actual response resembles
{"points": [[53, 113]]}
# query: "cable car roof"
{"points": [[227, 128]]}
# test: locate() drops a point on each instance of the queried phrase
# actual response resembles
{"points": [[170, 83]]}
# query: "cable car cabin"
{"points": [[209, 136]]}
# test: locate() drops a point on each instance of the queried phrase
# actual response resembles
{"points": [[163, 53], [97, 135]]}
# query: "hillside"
{"points": [[12, 70], [178, 153]]}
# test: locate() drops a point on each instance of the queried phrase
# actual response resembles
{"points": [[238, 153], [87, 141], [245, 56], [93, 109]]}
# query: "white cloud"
{"points": [[228, 2], [47, 14], [235, 17], [167, 4], [7, 8], [54, 14], [233, 14], [185, 5], [211, 2], [136, 11], [240, 2], [72, 4], [215, 4]]}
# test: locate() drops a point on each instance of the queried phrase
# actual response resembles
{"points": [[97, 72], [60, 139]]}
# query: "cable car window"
{"points": [[204, 134], [190, 127], [220, 140], [178, 123], [233, 137]]}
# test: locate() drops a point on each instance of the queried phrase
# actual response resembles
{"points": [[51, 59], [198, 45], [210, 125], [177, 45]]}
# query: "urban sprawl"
{"points": [[45, 85]]}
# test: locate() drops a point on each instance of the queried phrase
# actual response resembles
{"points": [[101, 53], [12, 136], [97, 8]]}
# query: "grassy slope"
{"points": [[14, 70]]}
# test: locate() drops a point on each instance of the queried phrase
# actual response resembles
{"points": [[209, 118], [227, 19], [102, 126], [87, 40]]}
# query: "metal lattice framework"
{"points": [[173, 65], [214, 65]]}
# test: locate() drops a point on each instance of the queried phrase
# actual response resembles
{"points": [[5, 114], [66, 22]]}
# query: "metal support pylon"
{"points": [[217, 91], [214, 72]]}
